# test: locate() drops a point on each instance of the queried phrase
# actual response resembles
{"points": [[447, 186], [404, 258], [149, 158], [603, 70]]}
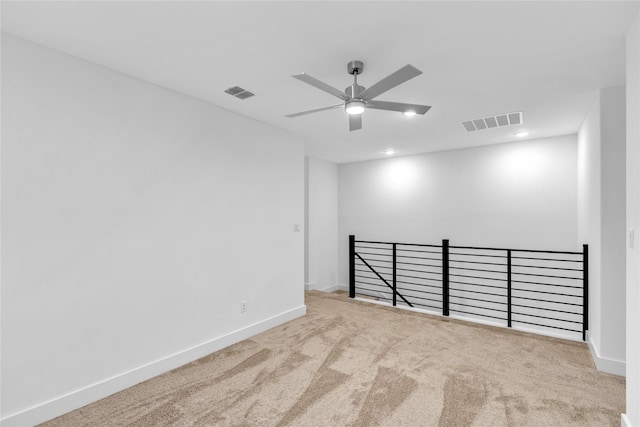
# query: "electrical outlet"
{"points": [[243, 306]]}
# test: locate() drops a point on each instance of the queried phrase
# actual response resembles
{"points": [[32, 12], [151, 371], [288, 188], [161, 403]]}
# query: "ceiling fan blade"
{"points": [[355, 122], [398, 106], [392, 80], [321, 85], [302, 113]]}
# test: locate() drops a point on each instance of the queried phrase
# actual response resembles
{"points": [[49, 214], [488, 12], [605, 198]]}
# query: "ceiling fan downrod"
{"points": [[354, 68]]}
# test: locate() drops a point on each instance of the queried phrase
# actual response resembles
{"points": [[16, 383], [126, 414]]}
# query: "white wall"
{"points": [[601, 219], [632, 417], [613, 297], [322, 224], [134, 221], [520, 194], [589, 211]]}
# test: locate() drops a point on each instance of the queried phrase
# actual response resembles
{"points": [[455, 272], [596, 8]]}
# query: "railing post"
{"points": [[352, 266], [509, 288], [394, 274], [445, 277], [585, 291]]}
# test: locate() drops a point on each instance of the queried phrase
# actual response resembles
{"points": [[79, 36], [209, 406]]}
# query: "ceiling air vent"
{"points": [[238, 92], [493, 122]]}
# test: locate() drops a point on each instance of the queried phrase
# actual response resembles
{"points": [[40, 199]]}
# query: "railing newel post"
{"points": [[352, 266], [394, 274], [445, 277], [509, 288], [585, 291]]}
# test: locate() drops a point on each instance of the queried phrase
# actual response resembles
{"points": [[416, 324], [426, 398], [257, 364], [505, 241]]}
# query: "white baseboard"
{"points": [[328, 289], [605, 364], [624, 421], [78, 398], [334, 288]]}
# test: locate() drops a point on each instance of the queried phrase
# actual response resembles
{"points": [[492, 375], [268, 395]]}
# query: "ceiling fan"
{"points": [[356, 99]]}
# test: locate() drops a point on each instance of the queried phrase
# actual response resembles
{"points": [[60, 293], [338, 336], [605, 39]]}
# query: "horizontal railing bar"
{"points": [[482, 255], [547, 275], [547, 259], [541, 251], [360, 263], [545, 326], [547, 284], [476, 292], [377, 265], [476, 284], [416, 290], [476, 277], [369, 283], [380, 266], [547, 309], [547, 268], [366, 277], [366, 271], [375, 279], [475, 306], [477, 314], [420, 265], [418, 244], [544, 300], [421, 278], [397, 243], [476, 248], [478, 262], [415, 251], [419, 284], [419, 271], [477, 269], [547, 293], [374, 254], [417, 257], [481, 300], [517, 250], [371, 247], [548, 318]]}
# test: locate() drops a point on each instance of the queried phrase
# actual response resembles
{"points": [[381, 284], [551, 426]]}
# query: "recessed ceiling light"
{"points": [[389, 152], [522, 134], [409, 113]]}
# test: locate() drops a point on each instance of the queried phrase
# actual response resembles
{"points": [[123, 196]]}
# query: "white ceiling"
{"points": [[478, 58]]}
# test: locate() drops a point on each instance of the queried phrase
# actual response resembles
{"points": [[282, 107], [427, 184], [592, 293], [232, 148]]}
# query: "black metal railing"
{"points": [[535, 288]]}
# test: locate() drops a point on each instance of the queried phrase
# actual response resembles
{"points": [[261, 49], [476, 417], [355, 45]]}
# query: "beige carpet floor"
{"points": [[350, 363]]}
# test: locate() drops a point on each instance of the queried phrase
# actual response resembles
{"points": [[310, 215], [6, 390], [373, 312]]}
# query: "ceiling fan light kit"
{"points": [[356, 99], [354, 107]]}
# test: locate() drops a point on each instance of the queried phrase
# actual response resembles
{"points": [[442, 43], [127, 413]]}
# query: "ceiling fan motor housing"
{"points": [[355, 67], [353, 90]]}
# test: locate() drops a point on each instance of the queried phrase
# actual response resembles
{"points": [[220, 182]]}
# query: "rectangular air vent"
{"points": [[493, 122], [239, 92]]}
